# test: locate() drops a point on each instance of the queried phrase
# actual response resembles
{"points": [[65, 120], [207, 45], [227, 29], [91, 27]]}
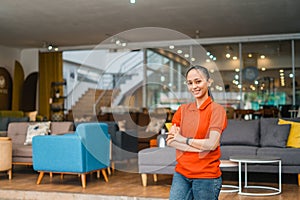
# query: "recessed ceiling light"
{"points": [[250, 55], [179, 51], [132, 1], [234, 58], [263, 69], [171, 47], [227, 55], [262, 56]]}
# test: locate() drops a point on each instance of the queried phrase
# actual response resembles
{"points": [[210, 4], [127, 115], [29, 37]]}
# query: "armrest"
{"points": [[57, 153]]}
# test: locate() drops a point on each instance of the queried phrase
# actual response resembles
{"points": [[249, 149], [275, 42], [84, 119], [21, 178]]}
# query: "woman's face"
{"points": [[197, 84]]}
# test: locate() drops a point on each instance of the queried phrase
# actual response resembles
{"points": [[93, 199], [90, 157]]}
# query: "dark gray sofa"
{"points": [[262, 137]]}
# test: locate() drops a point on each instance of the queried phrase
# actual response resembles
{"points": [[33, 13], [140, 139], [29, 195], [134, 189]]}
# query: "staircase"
{"points": [[88, 105]]}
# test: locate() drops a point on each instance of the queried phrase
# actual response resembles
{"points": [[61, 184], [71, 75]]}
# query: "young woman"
{"points": [[195, 134]]}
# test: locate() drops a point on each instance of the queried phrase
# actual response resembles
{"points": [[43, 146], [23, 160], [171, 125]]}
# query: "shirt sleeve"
{"points": [[218, 120], [177, 117]]}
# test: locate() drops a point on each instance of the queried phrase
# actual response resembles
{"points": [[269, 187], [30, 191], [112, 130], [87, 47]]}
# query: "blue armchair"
{"points": [[85, 151]]}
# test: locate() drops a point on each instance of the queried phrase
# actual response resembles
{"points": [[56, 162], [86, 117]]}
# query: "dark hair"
{"points": [[200, 68], [204, 71]]}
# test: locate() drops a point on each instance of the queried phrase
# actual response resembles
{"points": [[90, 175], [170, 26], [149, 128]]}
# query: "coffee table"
{"points": [[256, 160], [226, 187]]}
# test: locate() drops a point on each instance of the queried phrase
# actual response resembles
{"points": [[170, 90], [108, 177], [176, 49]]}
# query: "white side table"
{"points": [[228, 188], [257, 160]]}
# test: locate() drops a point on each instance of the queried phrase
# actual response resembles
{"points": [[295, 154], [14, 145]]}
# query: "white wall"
{"points": [[8, 56], [30, 61]]}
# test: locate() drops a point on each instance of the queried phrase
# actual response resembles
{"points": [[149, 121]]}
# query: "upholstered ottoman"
{"points": [[155, 161]]}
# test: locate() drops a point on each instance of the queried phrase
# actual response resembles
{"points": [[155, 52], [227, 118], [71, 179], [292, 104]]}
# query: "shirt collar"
{"points": [[205, 103]]}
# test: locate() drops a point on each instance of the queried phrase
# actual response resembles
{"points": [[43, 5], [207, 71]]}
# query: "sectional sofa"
{"points": [[261, 137]]}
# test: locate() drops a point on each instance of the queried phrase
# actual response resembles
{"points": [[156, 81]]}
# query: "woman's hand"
{"points": [[174, 135]]}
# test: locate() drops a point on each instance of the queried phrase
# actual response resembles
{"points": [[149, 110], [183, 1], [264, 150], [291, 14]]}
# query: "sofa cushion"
{"points": [[289, 156], [241, 132], [294, 135], [22, 151], [237, 150], [275, 135], [58, 128]]}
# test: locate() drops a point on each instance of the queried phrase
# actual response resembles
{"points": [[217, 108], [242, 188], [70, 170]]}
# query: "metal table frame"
{"points": [[256, 160]]}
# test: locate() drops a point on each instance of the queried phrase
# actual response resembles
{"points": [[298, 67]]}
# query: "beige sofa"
{"points": [[17, 131]]}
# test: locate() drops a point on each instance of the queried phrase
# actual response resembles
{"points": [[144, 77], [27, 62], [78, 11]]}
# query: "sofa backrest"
{"points": [[17, 131], [241, 132]]}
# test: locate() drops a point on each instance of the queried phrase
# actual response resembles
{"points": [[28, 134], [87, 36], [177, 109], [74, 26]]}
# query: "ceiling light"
{"points": [[171, 47], [250, 55], [208, 53], [234, 58], [179, 51], [263, 69], [207, 60], [281, 70], [132, 1], [193, 59], [237, 70], [214, 58], [227, 55], [262, 56], [186, 55], [291, 75], [50, 47], [56, 49]]}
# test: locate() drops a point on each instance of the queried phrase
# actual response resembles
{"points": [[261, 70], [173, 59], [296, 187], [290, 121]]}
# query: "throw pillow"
{"points": [[294, 135], [241, 132], [155, 125], [122, 125], [42, 128], [275, 135], [31, 115]]}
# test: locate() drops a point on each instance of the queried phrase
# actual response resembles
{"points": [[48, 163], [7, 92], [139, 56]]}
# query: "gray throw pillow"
{"points": [[275, 135], [241, 132]]}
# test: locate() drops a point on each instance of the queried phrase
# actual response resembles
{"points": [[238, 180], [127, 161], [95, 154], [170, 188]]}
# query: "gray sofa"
{"points": [[261, 137], [22, 154]]}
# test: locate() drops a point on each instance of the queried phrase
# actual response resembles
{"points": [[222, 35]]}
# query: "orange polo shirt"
{"points": [[196, 123]]}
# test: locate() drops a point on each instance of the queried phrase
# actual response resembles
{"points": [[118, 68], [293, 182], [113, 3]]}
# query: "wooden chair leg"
{"points": [[104, 175], [155, 177], [113, 167], [298, 179], [83, 180], [98, 173], [108, 171], [144, 179], [41, 175], [9, 174]]}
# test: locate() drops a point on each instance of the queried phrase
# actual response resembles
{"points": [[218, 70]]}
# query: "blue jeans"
{"points": [[198, 188]]}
